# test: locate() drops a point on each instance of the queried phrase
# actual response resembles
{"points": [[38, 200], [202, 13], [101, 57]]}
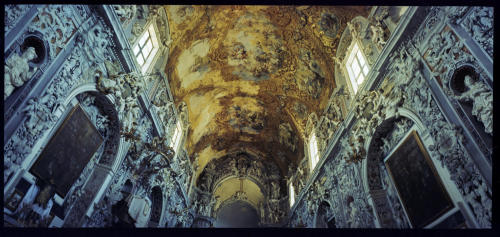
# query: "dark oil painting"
{"points": [[68, 151], [417, 183]]}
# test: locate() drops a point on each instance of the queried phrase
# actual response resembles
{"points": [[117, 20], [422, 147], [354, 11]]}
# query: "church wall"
{"points": [[83, 47], [406, 92]]}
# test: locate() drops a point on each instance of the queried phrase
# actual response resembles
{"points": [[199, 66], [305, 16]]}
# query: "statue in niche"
{"points": [[17, 70], [482, 99]]}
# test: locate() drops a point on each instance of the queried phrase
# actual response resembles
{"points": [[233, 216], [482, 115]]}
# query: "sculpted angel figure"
{"points": [[378, 36], [17, 71], [482, 99]]}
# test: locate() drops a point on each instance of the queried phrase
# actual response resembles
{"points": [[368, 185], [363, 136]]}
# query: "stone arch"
{"points": [[247, 215], [108, 163], [456, 86], [208, 181], [387, 212], [156, 206], [42, 48]]}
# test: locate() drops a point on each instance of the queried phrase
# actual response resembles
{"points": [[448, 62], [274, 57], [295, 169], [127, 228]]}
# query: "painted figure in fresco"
{"points": [[482, 99], [17, 71]]}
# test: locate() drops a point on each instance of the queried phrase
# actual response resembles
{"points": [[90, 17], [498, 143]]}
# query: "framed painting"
{"points": [[417, 182], [68, 151]]}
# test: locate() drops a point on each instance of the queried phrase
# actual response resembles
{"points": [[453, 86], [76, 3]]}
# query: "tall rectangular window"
{"points": [[313, 151], [292, 195], [177, 136], [357, 68], [145, 48]]}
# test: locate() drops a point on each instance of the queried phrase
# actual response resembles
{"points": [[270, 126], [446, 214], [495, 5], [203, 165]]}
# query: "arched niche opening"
{"points": [[127, 188], [83, 136], [237, 214], [323, 216], [16, 61], [235, 188], [401, 176], [387, 206], [475, 100], [157, 206], [35, 41]]}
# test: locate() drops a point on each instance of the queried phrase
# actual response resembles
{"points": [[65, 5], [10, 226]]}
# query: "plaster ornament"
{"points": [[97, 43], [482, 99], [352, 29], [37, 115], [479, 24], [125, 13], [378, 36], [18, 70], [136, 32], [14, 13]]}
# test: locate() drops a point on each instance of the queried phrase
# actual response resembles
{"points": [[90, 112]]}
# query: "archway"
{"points": [[157, 206], [237, 214], [323, 216], [387, 207]]}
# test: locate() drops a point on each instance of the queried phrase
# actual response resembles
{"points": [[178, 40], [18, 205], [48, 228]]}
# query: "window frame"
{"points": [[176, 137], [292, 194], [354, 53], [313, 151], [152, 30]]}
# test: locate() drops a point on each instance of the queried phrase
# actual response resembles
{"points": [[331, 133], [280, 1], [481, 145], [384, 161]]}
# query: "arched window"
{"points": [[146, 48], [177, 136], [313, 151], [357, 67], [292, 194]]}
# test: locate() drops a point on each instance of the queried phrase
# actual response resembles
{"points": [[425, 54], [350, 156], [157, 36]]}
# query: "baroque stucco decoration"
{"points": [[265, 174], [404, 87], [40, 111]]}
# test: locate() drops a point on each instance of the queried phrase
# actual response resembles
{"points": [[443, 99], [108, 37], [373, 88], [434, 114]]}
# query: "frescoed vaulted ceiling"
{"points": [[251, 75]]}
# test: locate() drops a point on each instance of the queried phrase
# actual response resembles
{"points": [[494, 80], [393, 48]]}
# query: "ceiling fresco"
{"points": [[251, 75]]}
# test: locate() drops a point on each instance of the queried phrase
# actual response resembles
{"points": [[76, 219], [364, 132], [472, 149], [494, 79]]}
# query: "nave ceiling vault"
{"points": [[251, 75]]}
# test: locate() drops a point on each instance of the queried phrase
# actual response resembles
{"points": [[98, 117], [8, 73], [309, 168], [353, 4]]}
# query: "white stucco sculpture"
{"points": [[482, 99], [17, 70]]}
